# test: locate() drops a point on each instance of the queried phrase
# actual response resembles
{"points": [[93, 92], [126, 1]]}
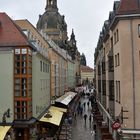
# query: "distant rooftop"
{"points": [[86, 69]]}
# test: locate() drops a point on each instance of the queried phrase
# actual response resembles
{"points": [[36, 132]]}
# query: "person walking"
{"points": [[81, 110], [88, 104], [85, 117], [75, 116], [84, 104], [90, 118]]}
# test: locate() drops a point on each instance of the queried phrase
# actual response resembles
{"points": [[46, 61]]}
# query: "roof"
{"points": [[54, 118], [3, 131], [10, 33], [86, 69], [129, 7], [66, 98]]}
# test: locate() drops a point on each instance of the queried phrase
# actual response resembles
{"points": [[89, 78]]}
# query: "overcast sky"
{"points": [[86, 17]]}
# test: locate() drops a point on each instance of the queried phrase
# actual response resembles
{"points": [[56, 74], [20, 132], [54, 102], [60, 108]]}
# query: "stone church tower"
{"points": [[53, 24]]}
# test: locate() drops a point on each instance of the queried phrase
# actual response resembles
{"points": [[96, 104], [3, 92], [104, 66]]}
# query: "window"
{"points": [[17, 103], [24, 57], [117, 59], [103, 67], [110, 64], [40, 65], [111, 90], [24, 51], [117, 35], [139, 30], [17, 57], [115, 38], [118, 95], [17, 93], [23, 70], [17, 51], [111, 41], [139, 56], [17, 80]]}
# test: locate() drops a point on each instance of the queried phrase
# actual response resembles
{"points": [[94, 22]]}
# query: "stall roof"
{"points": [[59, 109], [55, 116], [3, 131], [66, 98]]}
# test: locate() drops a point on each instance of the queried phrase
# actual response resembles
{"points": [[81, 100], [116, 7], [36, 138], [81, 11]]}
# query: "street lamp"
{"points": [[5, 115]]}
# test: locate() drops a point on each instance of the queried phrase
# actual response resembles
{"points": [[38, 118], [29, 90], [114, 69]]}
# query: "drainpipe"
{"points": [[133, 73]]}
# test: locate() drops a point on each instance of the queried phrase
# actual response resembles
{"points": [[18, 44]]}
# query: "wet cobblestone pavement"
{"points": [[80, 129]]}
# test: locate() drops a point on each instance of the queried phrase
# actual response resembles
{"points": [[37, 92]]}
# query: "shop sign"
{"points": [[116, 125]]}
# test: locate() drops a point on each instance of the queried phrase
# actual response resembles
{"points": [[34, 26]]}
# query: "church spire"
{"points": [[72, 35], [72, 39], [51, 5]]}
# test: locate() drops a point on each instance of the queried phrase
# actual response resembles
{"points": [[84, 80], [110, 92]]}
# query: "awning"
{"points": [[66, 98], [3, 131], [59, 109], [54, 117]]}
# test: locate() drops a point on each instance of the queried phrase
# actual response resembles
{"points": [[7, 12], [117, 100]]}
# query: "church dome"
{"points": [[51, 18], [52, 23]]}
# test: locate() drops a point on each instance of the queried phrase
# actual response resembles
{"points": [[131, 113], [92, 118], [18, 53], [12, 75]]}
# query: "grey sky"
{"points": [[86, 17]]}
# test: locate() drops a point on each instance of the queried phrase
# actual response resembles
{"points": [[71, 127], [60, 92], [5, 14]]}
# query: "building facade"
{"points": [[37, 66], [117, 66], [53, 25], [17, 52], [40, 68], [87, 73]]}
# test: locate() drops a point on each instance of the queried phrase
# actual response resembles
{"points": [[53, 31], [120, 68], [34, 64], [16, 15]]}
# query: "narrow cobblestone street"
{"points": [[80, 129]]}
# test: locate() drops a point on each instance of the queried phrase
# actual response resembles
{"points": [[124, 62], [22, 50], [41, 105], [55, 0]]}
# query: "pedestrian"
{"points": [[79, 103], [81, 110], [90, 118], [94, 128], [85, 117], [88, 104], [75, 116], [84, 104], [70, 120], [78, 109]]}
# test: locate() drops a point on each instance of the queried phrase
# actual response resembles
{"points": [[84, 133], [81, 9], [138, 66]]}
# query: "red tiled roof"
{"points": [[86, 69], [129, 6], [10, 34]]}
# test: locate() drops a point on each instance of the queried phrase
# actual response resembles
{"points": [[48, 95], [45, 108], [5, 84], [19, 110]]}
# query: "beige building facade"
{"points": [[117, 59], [40, 68], [87, 73]]}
